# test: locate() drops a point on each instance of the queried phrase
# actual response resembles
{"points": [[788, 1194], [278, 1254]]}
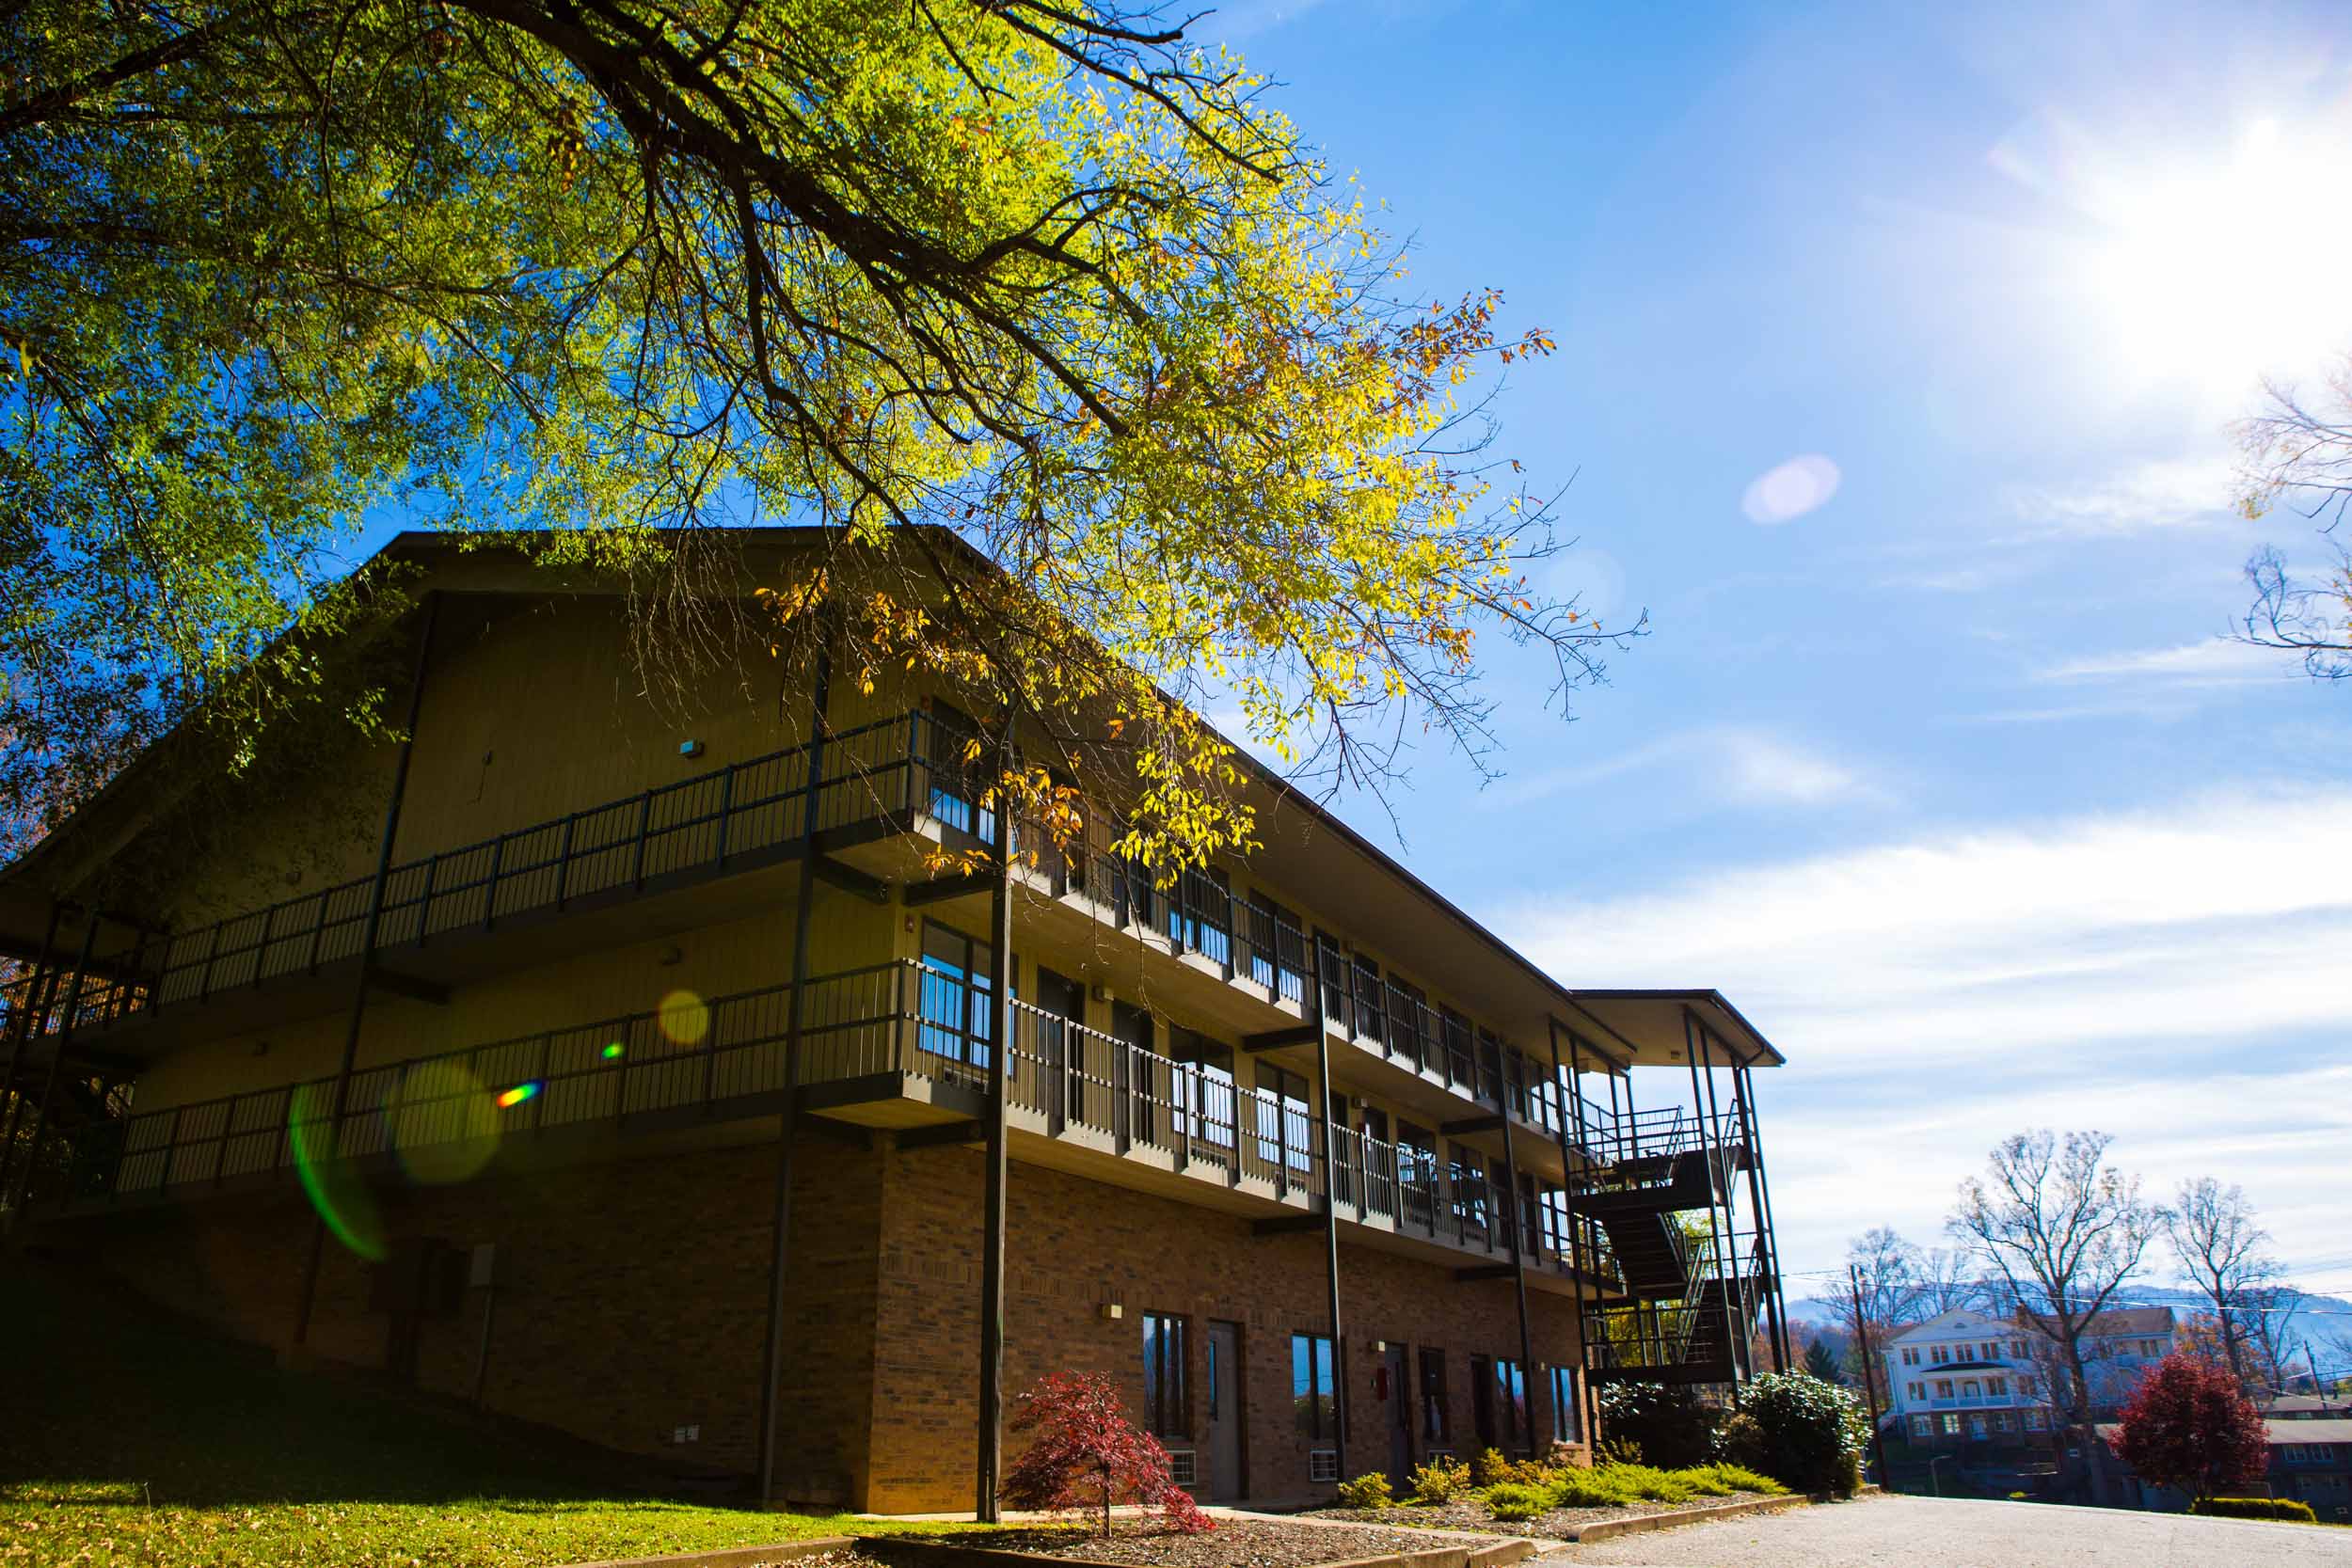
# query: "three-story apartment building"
{"points": [[631, 1070], [1968, 1378]]}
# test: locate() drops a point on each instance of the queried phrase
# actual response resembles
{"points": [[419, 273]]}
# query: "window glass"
{"points": [[955, 774], [1163, 1375], [957, 1019], [1433, 1412], [1563, 1412], [1313, 1393]]}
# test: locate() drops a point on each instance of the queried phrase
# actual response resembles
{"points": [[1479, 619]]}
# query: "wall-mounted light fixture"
{"points": [[690, 747]]}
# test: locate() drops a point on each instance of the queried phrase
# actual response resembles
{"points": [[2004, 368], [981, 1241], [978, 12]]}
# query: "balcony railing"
{"points": [[726, 1058]]}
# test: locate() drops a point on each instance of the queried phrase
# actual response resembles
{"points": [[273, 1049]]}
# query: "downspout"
{"points": [[368, 933], [991, 1425], [789, 1127], [1331, 1217], [1518, 1248]]}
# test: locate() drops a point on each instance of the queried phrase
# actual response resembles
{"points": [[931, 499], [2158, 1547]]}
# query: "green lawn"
{"points": [[131, 1439]]}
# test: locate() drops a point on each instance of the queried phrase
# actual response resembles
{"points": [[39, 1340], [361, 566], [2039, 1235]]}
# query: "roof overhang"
{"points": [[1650, 1028]]}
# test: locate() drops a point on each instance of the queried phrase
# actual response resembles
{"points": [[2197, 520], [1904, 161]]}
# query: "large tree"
{"points": [[609, 274], [2064, 1231], [2189, 1425], [2223, 1251]]}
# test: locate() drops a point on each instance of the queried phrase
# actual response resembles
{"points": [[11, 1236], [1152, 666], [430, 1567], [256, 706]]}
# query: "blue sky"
{"points": [[1947, 780]]}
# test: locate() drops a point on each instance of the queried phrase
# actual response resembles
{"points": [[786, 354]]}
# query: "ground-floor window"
{"points": [[1922, 1426], [1433, 1416], [1952, 1426], [1314, 1386], [1499, 1401], [1164, 1402], [2037, 1420], [1564, 1425], [1510, 1403]]}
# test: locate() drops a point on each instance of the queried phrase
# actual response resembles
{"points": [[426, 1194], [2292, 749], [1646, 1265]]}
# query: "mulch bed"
{"points": [[1561, 1524], [1234, 1543]]}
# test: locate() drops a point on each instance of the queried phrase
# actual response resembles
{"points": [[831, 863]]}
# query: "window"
{"points": [[1971, 1389], [1200, 914], [1278, 958], [1943, 1387], [1940, 1354], [1911, 1355], [1997, 1385], [1282, 1117], [1917, 1390], [1992, 1351], [1372, 1019], [1564, 1427], [1952, 1426], [1466, 1182], [1409, 1012], [957, 759], [1482, 1399], [2036, 1420], [1163, 1403], [2152, 1346], [1211, 1117], [1459, 1069], [1511, 1401], [2004, 1421], [1313, 1387], [1417, 1172], [956, 1016], [1922, 1426], [1433, 1412], [2017, 1350], [1975, 1427]]}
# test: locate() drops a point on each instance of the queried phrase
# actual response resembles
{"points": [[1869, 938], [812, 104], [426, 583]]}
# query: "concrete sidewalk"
{"points": [[1930, 1533]]}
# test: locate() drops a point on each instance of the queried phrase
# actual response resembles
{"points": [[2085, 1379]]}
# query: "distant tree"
{"points": [[1084, 1453], [2189, 1425], [1899, 1284], [1822, 1362], [2222, 1249], [2064, 1230], [2297, 450]]}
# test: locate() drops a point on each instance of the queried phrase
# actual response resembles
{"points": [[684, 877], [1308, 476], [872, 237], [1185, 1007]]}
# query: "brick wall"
{"points": [[1076, 1244], [631, 1301]]}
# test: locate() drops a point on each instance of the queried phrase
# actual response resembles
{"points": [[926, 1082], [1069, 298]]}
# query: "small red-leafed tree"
{"points": [[2189, 1425], [1084, 1453]]}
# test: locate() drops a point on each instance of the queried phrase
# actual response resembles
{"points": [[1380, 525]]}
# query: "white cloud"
{"points": [[2215, 661], [2175, 976], [1787, 492], [1733, 765], [2166, 492]]}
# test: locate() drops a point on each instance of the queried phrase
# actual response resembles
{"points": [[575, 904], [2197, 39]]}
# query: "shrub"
{"points": [[1367, 1491], [1085, 1453], [1805, 1434], [1733, 1478], [1440, 1480], [1491, 1470], [2256, 1508], [1598, 1487], [1515, 1501], [1659, 1423], [1650, 1483]]}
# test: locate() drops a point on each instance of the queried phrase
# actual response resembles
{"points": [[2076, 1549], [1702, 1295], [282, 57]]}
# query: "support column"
{"points": [[369, 932], [788, 1129], [1575, 1232], [1745, 1343], [1331, 1217], [36, 1004], [24, 1188], [1745, 1077], [991, 1433], [1517, 1229], [1720, 1242]]}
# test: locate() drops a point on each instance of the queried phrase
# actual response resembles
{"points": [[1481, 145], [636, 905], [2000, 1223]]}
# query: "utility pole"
{"points": [[1870, 1383]]}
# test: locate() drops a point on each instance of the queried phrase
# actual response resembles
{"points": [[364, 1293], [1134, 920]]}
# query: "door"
{"points": [[1225, 1414], [1399, 1395], [1061, 998]]}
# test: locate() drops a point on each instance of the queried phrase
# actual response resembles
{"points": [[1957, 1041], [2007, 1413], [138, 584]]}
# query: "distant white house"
{"points": [[1967, 1376]]}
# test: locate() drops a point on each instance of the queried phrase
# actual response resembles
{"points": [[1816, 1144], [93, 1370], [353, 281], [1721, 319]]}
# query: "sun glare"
{"points": [[2224, 268]]}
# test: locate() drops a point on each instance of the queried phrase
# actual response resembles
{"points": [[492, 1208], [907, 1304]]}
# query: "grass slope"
{"points": [[128, 1439]]}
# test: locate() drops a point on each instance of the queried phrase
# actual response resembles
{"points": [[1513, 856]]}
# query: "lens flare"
{"points": [[443, 1126], [335, 1190], [517, 1095], [685, 1018], [612, 1052]]}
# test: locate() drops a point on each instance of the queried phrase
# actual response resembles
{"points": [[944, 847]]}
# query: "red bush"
{"points": [[2189, 1426], [1085, 1453]]}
